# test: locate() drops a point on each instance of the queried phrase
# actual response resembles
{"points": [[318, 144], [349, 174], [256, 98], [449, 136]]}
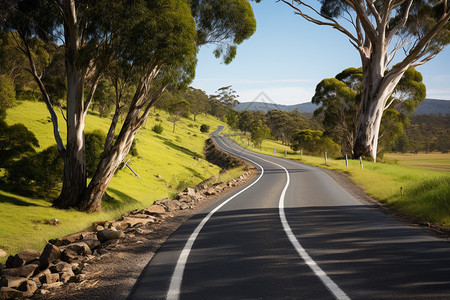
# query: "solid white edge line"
{"points": [[177, 276], [330, 285]]}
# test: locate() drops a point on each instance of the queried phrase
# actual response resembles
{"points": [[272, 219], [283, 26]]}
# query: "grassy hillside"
{"points": [[426, 194], [169, 155]]}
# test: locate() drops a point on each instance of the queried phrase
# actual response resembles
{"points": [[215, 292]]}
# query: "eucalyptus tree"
{"points": [[339, 101], [148, 44], [378, 29], [198, 101]]}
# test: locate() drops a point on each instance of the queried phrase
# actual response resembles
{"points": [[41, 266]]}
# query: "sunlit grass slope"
{"points": [[169, 155], [426, 192]]}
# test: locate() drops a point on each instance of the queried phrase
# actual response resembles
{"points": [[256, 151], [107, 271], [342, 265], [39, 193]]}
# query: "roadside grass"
{"points": [[429, 161], [166, 163], [426, 191]]}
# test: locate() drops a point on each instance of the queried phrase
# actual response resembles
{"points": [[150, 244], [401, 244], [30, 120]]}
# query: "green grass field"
{"points": [[170, 155], [425, 181], [429, 161]]}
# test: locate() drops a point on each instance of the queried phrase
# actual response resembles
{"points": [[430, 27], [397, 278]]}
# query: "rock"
{"points": [[42, 292], [69, 255], [43, 277], [50, 254], [29, 287], [191, 192], [60, 267], [10, 293], [171, 204], [54, 222], [92, 243], [78, 278], [184, 206], [9, 261], [108, 234], [155, 210], [111, 243], [119, 225], [211, 191], [66, 240], [88, 235], [23, 271], [49, 286], [133, 222], [10, 281], [25, 257], [158, 176], [3, 253], [81, 248]]}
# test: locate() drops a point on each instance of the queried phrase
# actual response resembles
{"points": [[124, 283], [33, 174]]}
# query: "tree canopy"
{"points": [[378, 30], [140, 48]]}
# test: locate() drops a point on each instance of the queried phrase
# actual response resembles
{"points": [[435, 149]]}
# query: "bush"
{"points": [[7, 92], [95, 142], [37, 174], [315, 143], [133, 149], [158, 128], [204, 128], [15, 141]]}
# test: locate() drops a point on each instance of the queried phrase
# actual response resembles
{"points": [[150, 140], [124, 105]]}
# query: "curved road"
{"points": [[294, 233]]}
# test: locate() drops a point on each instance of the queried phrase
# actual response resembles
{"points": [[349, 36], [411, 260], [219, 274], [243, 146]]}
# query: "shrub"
{"points": [[315, 143], [95, 142], [133, 149], [204, 128], [7, 92], [15, 141], [38, 174], [158, 128]]}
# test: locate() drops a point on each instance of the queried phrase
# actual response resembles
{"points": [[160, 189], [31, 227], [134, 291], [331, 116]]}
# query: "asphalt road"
{"points": [[294, 233]]}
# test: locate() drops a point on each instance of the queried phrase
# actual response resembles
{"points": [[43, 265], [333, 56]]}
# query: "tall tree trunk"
{"points": [[93, 194], [74, 181], [377, 89]]}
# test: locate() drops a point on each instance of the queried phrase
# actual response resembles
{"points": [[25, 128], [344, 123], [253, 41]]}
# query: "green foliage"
{"points": [[7, 92], [428, 133], [37, 174], [284, 124], [227, 96], [133, 149], [95, 142], [158, 128], [340, 100], [104, 98], [181, 108], [315, 143], [259, 132], [198, 101], [226, 23], [15, 141], [204, 128]]}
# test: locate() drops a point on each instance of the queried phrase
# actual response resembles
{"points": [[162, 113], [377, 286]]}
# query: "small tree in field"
{"points": [[178, 110], [378, 30]]}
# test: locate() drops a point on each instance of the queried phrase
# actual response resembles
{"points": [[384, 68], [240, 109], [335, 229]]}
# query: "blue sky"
{"points": [[287, 57]]}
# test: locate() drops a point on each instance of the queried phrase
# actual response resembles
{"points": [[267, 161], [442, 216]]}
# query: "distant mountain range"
{"points": [[428, 106]]}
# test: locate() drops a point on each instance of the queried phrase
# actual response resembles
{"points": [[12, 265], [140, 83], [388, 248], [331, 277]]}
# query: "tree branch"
{"points": [[332, 23]]}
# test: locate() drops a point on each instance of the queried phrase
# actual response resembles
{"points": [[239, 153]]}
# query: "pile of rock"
{"points": [[63, 260]]}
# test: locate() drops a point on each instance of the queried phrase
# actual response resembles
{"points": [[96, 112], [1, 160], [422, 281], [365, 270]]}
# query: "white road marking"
{"points": [[177, 276]]}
